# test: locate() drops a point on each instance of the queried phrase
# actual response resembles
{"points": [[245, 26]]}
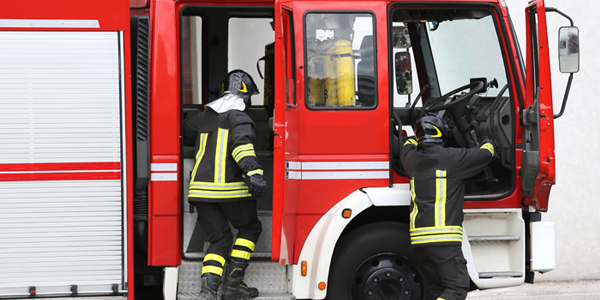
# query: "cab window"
{"points": [[340, 61]]}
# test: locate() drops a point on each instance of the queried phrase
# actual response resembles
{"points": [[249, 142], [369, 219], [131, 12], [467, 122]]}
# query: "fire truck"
{"points": [[94, 173]]}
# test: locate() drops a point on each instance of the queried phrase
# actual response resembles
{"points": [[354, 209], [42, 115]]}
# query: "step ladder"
{"points": [[497, 248]]}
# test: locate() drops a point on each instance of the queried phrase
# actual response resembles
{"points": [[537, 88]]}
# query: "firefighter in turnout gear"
{"points": [[225, 182], [437, 177]]}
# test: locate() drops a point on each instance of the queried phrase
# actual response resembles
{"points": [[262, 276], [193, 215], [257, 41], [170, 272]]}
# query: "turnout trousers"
{"points": [[445, 272], [215, 218]]}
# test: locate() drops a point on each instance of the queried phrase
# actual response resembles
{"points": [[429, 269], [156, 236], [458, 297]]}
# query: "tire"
{"points": [[375, 262]]}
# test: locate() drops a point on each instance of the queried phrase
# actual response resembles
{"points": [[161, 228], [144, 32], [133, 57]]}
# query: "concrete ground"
{"points": [[571, 290]]}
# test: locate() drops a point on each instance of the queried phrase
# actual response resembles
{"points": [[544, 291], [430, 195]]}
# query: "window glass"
{"points": [[289, 59], [405, 82], [191, 56], [464, 49], [246, 48], [340, 61]]}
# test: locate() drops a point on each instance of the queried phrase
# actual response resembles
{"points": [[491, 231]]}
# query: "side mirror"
{"points": [[568, 49], [403, 73], [401, 37]]}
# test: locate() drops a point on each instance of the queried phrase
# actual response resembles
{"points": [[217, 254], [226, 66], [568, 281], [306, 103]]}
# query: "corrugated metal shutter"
{"points": [[61, 188]]}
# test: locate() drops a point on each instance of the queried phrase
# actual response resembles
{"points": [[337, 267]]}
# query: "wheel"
{"points": [[375, 262]]}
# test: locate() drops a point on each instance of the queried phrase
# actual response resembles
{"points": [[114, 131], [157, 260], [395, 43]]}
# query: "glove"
{"points": [[254, 180], [256, 185]]}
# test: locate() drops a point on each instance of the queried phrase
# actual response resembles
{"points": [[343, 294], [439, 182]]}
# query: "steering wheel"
{"points": [[438, 104]]}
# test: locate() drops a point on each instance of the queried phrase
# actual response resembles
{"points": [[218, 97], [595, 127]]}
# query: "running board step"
{"points": [[262, 296], [491, 238], [267, 276], [487, 275]]}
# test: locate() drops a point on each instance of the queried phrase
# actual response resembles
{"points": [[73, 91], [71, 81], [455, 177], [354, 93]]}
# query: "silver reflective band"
{"points": [[219, 194], [437, 238], [218, 185], [436, 230], [20, 23]]}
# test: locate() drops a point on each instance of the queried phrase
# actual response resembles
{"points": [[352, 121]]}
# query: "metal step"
{"points": [[77, 298], [262, 296], [487, 275], [491, 238], [268, 277]]}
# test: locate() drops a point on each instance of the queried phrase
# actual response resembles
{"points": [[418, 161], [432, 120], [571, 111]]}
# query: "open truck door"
{"points": [[285, 168], [538, 161]]}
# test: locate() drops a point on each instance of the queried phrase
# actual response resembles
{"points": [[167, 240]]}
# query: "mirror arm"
{"points": [[552, 9], [564, 104]]}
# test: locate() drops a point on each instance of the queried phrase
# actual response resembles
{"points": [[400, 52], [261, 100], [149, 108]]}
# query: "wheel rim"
{"points": [[386, 276]]}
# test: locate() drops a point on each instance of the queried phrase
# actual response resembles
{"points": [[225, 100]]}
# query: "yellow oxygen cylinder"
{"points": [[344, 69], [316, 93], [330, 81]]}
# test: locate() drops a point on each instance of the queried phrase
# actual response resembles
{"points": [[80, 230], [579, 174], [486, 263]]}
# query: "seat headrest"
{"points": [[366, 48]]}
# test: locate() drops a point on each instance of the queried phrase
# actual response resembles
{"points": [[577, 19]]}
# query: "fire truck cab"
{"points": [[341, 85]]}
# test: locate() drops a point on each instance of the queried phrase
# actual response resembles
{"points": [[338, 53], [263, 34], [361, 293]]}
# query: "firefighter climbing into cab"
{"points": [[225, 182], [437, 177]]}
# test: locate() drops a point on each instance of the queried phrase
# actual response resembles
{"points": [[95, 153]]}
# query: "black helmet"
{"points": [[430, 129], [240, 83]]}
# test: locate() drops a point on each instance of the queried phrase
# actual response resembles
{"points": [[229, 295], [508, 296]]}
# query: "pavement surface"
{"points": [[571, 290]]}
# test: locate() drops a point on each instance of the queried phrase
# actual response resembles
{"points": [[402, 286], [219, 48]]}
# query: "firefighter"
{"points": [[225, 182], [437, 177]]}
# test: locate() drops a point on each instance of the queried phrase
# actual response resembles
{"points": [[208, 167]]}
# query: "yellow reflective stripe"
{"points": [[410, 141], [212, 269], [240, 148], [440, 299], [245, 154], [438, 134], [221, 155], [215, 257], [434, 232], [200, 154], [244, 90], [245, 243], [440, 198], [434, 229], [415, 211], [488, 147], [218, 194], [240, 254], [257, 171], [243, 151], [219, 186], [436, 238]]}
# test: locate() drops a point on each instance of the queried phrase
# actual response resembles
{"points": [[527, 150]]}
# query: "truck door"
{"points": [[286, 139], [331, 125], [537, 163]]}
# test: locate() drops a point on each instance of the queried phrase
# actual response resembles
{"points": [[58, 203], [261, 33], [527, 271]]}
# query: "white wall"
{"points": [[574, 205]]}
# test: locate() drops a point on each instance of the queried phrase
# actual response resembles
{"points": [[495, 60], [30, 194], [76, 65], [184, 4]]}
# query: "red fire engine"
{"points": [[94, 173]]}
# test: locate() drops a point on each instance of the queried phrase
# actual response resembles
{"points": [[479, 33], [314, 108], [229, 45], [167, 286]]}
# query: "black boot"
{"points": [[234, 287], [210, 285]]}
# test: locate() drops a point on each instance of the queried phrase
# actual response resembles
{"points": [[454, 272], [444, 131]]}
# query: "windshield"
{"points": [[465, 49]]}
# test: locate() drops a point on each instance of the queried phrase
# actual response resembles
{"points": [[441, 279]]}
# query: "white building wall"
{"points": [[574, 206]]}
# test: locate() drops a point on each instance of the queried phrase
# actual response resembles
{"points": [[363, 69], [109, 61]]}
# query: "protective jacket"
{"points": [[437, 177], [225, 150]]}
